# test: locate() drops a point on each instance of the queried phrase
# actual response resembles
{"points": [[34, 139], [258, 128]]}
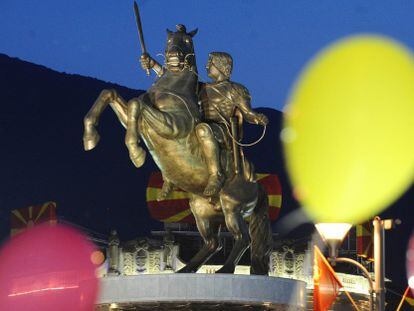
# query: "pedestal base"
{"points": [[201, 292]]}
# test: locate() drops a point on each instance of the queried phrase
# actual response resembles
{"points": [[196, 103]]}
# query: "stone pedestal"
{"points": [[201, 292]]}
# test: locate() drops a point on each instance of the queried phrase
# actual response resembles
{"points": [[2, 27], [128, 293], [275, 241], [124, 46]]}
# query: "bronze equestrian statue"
{"points": [[165, 118]]}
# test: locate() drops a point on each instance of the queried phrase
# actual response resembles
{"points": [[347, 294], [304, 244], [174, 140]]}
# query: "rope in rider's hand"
{"points": [[246, 144]]}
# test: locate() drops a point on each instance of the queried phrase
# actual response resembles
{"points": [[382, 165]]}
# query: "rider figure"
{"points": [[219, 101]]}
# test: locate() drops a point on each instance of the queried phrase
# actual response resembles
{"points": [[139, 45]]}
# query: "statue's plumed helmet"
{"points": [[181, 28]]}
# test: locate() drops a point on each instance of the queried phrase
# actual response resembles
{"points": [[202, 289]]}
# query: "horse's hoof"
{"points": [[90, 142], [138, 157], [167, 187], [214, 185], [162, 196], [186, 270], [211, 191], [228, 270]]}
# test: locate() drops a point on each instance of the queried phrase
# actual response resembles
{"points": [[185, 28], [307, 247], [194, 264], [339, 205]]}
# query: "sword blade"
{"points": [[139, 25]]}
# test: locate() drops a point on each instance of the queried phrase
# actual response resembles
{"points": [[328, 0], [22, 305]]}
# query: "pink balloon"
{"points": [[47, 268], [410, 263]]}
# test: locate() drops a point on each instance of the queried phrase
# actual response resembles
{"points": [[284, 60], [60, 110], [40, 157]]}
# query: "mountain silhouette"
{"points": [[42, 159]]}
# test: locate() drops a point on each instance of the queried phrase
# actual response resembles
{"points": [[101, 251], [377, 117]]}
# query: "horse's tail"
{"points": [[260, 235]]}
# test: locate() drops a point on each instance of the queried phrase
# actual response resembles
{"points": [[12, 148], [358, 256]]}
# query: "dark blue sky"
{"points": [[269, 40]]}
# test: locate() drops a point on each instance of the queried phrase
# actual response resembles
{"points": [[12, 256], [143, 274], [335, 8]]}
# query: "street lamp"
{"points": [[333, 234]]}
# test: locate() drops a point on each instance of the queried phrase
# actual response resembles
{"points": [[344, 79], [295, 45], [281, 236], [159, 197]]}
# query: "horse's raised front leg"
{"points": [[91, 120], [239, 230], [136, 153], [209, 230]]}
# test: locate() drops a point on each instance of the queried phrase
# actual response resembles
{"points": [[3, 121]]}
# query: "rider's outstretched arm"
{"points": [[243, 99]]}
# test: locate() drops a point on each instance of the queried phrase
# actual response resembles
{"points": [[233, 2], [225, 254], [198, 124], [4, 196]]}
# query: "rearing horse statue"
{"points": [[165, 118]]}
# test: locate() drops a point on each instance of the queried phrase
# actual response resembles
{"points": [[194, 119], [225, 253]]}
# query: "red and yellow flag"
{"points": [[27, 217], [364, 241], [177, 209], [326, 285]]}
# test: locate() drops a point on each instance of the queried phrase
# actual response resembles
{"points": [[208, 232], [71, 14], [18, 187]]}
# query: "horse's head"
{"points": [[179, 52]]}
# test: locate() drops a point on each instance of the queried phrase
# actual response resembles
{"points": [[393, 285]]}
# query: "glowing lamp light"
{"points": [[333, 234], [335, 231], [411, 282]]}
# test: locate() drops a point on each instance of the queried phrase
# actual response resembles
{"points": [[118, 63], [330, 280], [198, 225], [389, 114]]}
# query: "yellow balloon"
{"points": [[349, 129]]}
